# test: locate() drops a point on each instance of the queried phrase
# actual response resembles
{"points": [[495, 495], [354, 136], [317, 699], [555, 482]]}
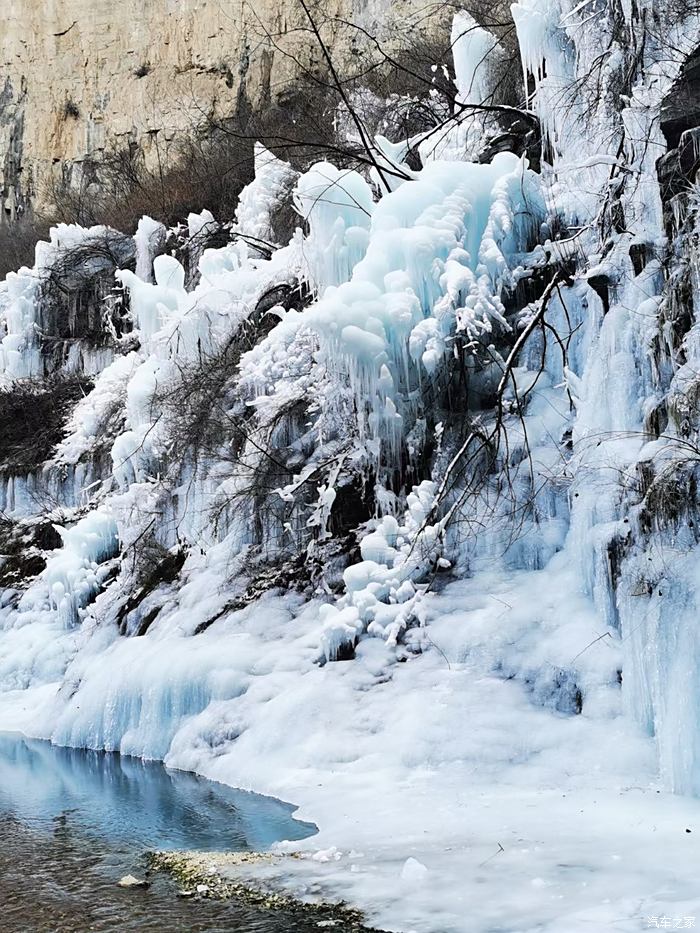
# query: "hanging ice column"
{"points": [[476, 55], [433, 267], [582, 131], [337, 205], [548, 62], [72, 574], [261, 199], [20, 353], [150, 238], [479, 62], [153, 304]]}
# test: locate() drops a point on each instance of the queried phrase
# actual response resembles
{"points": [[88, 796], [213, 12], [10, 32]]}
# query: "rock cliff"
{"points": [[78, 77]]}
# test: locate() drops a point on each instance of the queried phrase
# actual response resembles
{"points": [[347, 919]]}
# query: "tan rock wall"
{"points": [[80, 76]]}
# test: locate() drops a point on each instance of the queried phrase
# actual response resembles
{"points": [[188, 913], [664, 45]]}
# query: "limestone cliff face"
{"points": [[80, 76]]}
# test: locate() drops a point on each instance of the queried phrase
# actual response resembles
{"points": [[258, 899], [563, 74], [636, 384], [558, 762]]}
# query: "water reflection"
{"points": [[129, 800]]}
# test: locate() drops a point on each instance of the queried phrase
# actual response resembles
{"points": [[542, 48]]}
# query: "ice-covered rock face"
{"points": [[59, 301], [432, 268]]}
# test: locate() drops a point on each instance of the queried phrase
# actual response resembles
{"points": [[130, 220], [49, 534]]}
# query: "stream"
{"points": [[73, 822]]}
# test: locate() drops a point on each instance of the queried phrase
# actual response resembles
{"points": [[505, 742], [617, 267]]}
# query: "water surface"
{"points": [[127, 799], [72, 822]]}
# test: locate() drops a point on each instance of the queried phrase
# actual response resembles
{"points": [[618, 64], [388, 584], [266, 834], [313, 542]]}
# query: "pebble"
{"points": [[129, 881]]}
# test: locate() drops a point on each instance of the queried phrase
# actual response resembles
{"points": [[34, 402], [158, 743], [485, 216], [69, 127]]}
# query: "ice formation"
{"points": [[337, 206], [395, 514]]}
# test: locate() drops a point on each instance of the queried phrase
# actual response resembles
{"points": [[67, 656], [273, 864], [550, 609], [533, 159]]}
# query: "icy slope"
{"points": [[518, 815]]}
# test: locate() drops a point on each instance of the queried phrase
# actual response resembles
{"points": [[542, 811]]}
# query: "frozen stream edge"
{"points": [[417, 783]]}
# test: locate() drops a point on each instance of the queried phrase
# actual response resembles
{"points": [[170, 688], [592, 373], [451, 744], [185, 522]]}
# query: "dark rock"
{"points": [[639, 255], [518, 134], [296, 295], [75, 292], [17, 189], [680, 110], [164, 570], [676, 169], [601, 285]]}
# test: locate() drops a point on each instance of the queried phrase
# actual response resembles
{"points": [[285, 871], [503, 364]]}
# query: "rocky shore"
{"points": [[223, 875]]}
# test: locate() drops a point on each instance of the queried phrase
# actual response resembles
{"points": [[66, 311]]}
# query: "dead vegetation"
{"points": [[18, 241], [33, 414]]}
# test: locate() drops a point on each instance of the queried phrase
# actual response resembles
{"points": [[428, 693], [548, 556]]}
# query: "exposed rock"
{"points": [[521, 135], [677, 168], [218, 875], [161, 569], [129, 881], [82, 77], [681, 107]]}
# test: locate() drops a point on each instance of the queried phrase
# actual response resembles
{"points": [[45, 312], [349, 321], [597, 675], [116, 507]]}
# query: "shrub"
{"points": [[33, 414], [17, 242], [71, 111], [205, 170]]}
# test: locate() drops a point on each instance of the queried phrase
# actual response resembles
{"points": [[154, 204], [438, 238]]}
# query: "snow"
{"points": [[258, 202], [486, 700], [88, 422], [444, 760]]}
